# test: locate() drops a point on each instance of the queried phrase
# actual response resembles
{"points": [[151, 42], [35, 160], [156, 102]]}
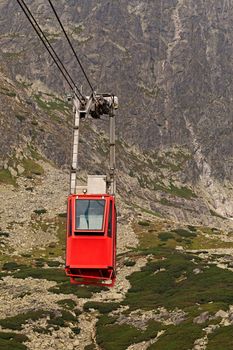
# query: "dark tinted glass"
{"points": [[89, 214]]}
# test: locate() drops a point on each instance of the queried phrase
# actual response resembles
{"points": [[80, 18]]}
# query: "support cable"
{"points": [[63, 29], [53, 54]]}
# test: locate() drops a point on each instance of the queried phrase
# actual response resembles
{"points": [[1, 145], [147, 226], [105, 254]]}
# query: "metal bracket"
{"points": [[95, 106]]}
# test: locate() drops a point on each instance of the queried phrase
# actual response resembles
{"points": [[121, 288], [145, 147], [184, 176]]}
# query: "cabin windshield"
{"points": [[89, 214]]}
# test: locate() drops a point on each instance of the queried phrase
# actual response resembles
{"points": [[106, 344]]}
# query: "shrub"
{"points": [[31, 168], [12, 341], [20, 117], [67, 303], [4, 234], [57, 275], [12, 266], [52, 263], [103, 308], [113, 336], [180, 337], [184, 233], [7, 178], [165, 236], [76, 330], [62, 215], [150, 291], [40, 211], [17, 321], [90, 347], [221, 338], [143, 223], [192, 228], [66, 316], [67, 288], [129, 263]]}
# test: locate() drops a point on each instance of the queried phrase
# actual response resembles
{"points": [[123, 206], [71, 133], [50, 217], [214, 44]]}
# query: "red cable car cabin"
{"points": [[91, 239]]}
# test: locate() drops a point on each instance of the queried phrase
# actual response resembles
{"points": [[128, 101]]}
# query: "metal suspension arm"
{"points": [[95, 106], [74, 166], [112, 151]]}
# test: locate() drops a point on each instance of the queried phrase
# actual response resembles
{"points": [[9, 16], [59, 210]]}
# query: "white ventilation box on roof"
{"points": [[96, 184]]}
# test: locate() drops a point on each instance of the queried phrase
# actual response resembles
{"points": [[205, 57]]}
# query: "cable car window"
{"points": [[89, 214]]}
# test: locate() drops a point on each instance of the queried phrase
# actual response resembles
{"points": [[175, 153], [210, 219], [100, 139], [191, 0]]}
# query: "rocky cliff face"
{"points": [[169, 63]]}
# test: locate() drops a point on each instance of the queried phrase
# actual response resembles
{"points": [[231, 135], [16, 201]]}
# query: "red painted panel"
{"points": [[91, 255], [90, 252]]}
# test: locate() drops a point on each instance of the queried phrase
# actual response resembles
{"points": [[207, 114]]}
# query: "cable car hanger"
{"points": [[91, 212]]}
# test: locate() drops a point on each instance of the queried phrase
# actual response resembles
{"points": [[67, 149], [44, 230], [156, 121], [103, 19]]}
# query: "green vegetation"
{"points": [[90, 347], [52, 104], [189, 237], [40, 262], [52, 263], [192, 228], [185, 233], [62, 215], [173, 159], [52, 37], [43, 330], [129, 263], [143, 223], [165, 236], [24, 84], [76, 330], [57, 275], [183, 192], [57, 249], [4, 234], [16, 322], [21, 117], [112, 336], [145, 210], [58, 319], [7, 92], [177, 284], [63, 319], [12, 341], [31, 168], [78, 29], [12, 55], [164, 201], [221, 339], [180, 337], [34, 153], [67, 288], [6, 177], [67, 303], [12, 266], [168, 280], [103, 308], [40, 211]]}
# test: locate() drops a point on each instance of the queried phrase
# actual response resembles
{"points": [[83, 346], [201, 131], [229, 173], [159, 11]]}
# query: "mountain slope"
{"points": [[167, 61]]}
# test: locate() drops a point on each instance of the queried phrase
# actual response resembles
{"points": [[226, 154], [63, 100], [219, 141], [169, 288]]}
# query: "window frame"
{"points": [[110, 220], [69, 218], [91, 232]]}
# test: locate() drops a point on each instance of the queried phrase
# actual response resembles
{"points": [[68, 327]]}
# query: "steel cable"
{"points": [[63, 29], [44, 40]]}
